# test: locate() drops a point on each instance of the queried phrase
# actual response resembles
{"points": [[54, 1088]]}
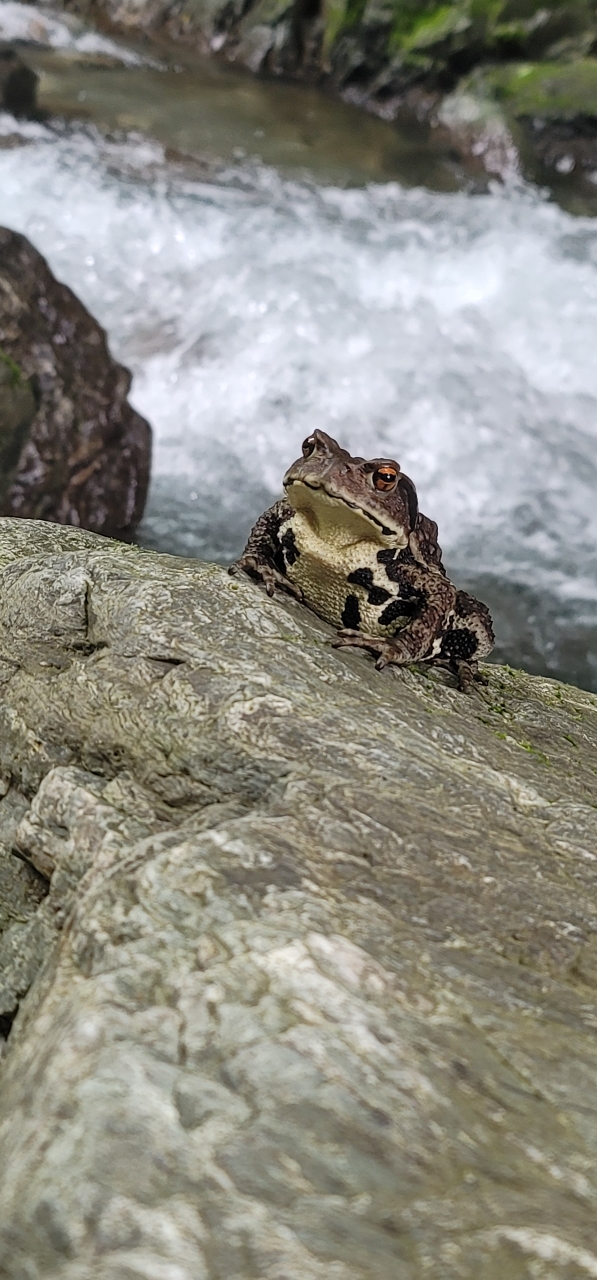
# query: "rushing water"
{"points": [[454, 332]]}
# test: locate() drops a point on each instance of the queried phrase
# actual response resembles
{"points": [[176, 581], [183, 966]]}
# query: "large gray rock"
{"points": [[72, 448], [319, 991]]}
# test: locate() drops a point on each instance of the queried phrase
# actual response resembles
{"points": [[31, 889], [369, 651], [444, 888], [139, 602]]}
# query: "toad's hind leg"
{"points": [[467, 672], [469, 637], [453, 630]]}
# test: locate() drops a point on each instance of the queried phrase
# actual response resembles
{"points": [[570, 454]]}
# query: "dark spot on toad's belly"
{"points": [[378, 595], [361, 578], [290, 550], [407, 606], [396, 609], [364, 578], [386, 555], [351, 614]]}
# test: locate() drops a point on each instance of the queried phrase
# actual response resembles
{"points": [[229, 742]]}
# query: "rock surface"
{"points": [[319, 990], [72, 448], [545, 111]]}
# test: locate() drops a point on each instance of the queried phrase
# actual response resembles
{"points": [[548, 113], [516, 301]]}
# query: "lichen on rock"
{"points": [[319, 988]]}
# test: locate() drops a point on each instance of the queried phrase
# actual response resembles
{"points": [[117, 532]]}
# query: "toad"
{"points": [[349, 541]]}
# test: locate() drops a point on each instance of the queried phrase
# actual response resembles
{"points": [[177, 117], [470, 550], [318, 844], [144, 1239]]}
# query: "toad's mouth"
{"points": [[338, 498]]}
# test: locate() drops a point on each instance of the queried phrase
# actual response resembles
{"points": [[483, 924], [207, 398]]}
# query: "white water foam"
{"points": [[455, 333], [36, 25]]}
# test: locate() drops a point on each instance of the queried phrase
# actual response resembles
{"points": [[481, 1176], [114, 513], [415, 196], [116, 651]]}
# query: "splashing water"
{"points": [[37, 25], [455, 333]]}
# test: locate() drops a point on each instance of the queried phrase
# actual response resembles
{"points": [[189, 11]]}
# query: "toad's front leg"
{"points": [[262, 558], [266, 573]]}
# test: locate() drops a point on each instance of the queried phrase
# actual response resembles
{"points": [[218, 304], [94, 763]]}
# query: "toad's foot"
{"points": [[467, 673], [388, 651], [393, 651], [267, 574]]}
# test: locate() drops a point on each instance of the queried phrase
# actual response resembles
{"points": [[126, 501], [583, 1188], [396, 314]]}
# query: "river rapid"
{"points": [[256, 298]]}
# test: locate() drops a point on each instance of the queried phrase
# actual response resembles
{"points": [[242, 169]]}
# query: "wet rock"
{"points": [[540, 116], [566, 146], [72, 448], [480, 131], [18, 83], [18, 407], [556, 105], [323, 992]]}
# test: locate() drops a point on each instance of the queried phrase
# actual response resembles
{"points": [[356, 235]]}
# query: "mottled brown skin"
{"points": [[350, 542]]}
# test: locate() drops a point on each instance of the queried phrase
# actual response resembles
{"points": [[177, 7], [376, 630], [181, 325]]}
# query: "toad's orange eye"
{"points": [[308, 446], [385, 477]]}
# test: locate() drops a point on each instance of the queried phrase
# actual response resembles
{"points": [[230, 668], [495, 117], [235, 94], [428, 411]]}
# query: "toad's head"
{"points": [[368, 499]]}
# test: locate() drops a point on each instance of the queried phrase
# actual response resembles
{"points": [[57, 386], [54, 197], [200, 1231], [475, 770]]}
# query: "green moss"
{"points": [[15, 375], [432, 29], [524, 746], [425, 25], [549, 89], [422, 32], [335, 18], [407, 15], [340, 16], [489, 10], [420, 26]]}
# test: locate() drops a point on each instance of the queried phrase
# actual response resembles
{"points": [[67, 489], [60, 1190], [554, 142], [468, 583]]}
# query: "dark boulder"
{"points": [[18, 83], [72, 448]]}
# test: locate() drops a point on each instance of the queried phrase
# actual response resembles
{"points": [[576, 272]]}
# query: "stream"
{"points": [[267, 260]]}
